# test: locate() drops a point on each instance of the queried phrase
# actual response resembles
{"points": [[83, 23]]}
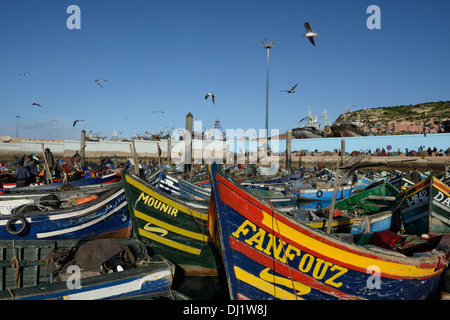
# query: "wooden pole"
{"points": [[46, 164], [337, 183], [445, 169], [134, 154], [83, 145], [159, 153], [169, 151], [342, 152], [288, 149], [188, 143]]}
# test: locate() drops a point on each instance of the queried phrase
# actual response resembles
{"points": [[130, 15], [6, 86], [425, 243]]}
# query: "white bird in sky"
{"points": [[309, 33], [24, 74], [212, 96], [292, 89]]}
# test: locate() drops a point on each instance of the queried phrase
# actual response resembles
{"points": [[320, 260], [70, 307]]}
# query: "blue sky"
{"points": [[161, 55]]}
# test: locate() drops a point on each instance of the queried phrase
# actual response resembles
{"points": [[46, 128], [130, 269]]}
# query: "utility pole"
{"points": [[17, 127], [268, 44]]}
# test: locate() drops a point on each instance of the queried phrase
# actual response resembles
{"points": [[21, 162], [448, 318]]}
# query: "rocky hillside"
{"points": [[412, 115]]}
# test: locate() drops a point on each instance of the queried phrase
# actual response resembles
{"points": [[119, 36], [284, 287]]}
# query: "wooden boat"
{"points": [[85, 182], [326, 193], [176, 229], [425, 207], [268, 255], [11, 200], [371, 208], [401, 182], [40, 273], [104, 216]]}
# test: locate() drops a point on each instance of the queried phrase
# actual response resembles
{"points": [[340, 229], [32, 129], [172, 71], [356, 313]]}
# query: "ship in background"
{"points": [[348, 127], [312, 129]]}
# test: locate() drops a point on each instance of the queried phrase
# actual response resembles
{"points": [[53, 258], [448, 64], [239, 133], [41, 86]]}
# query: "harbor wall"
{"points": [[150, 148]]}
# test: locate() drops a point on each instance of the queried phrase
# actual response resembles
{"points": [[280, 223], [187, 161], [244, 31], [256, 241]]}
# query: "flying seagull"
{"points": [[36, 104], [24, 74], [309, 33], [292, 89], [212, 96], [157, 111], [97, 82], [75, 122], [54, 120]]}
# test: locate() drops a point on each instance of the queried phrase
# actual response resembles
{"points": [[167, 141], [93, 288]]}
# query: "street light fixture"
{"points": [[17, 128], [268, 44]]}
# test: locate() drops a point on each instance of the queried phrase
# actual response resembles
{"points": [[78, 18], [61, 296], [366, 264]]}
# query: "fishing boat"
{"points": [[316, 194], [178, 187], [174, 228], [82, 183], [11, 200], [371, 208], [96, 216], [268, 255], [42, 270], [425, 207]]}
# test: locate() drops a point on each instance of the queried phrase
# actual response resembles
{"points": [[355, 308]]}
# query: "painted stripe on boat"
{"points": [[71, 214], [265, 286], [333, 252], [81, 226], [323, 247], [440, 217], [181, 208], [170, 227], [124, 288], [168, 242]]}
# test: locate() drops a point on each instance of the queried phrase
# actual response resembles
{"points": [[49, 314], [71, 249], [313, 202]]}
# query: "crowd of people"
{"points": [[31, 170]]}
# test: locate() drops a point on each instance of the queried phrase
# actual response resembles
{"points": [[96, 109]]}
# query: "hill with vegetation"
{"points": [[428, 113]]}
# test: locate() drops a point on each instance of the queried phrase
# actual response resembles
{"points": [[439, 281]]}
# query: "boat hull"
{"points": [[105, 217], [171, 227], [425, 207], [267, 255]]}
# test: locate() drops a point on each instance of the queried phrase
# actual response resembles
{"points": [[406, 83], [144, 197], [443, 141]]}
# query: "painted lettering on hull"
{"points": [[304, 262], [157, 204]]}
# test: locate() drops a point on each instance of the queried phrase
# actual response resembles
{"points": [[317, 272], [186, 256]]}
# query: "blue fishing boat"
{"points": [[320, 194], [100, 216], [268, 255], [81, 270]]}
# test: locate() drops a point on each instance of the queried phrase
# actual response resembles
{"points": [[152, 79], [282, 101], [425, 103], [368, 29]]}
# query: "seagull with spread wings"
{"points": [[210, 95], [309, 33], [290, 91], [97, 82], [24, 74], [75, 122], [36, 104]]}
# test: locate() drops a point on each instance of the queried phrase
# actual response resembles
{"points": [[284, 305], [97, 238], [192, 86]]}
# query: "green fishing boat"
{"points": [[371, 209], [174, 228]]}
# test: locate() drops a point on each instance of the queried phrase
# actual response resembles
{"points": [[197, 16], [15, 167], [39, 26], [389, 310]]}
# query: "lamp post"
{"points": [[268, 44], [17, 127]]}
